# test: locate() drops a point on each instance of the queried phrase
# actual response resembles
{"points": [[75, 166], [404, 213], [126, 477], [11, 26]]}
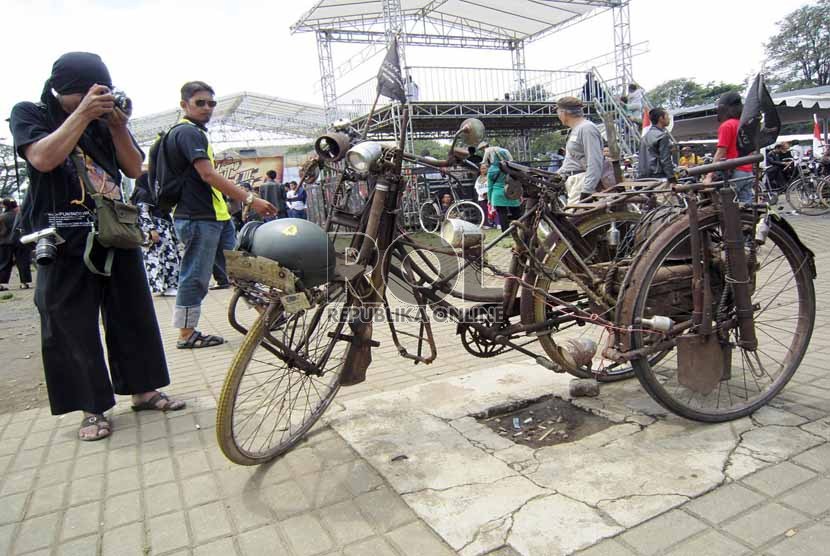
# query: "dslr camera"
{"points": [[122, 101], [46, 244]]}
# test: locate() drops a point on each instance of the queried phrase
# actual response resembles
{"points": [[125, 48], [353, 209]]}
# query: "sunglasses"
{"points": [[201, 103]]}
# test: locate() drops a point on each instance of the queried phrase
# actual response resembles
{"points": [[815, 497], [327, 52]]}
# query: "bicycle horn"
{"points": [[332, 147]]}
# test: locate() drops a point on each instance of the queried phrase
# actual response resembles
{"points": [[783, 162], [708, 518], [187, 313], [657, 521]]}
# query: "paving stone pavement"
{"points": [[160, 486]]}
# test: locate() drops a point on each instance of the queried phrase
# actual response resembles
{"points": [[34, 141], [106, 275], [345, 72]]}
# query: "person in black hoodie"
{"points": [[77, 118]]}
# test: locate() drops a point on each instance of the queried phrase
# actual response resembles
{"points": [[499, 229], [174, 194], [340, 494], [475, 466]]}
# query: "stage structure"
{"points": [[244, 117], [513, 101]]}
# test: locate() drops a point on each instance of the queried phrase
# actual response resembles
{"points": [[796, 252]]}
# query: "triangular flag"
{"points": [[817, 142], [390, 81], [760, 122]]}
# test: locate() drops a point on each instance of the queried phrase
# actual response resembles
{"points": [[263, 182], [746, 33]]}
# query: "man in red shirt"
{"points": [[729, 114]]}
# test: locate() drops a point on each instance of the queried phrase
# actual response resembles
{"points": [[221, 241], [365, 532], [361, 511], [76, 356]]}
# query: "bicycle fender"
{"points": [[794, 236]]}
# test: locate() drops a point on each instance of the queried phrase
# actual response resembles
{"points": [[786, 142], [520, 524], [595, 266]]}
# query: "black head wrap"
{"points": [[76, 72]]}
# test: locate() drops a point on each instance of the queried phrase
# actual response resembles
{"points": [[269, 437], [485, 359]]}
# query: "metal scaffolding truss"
{"points": [[243, 112], [436, 120], [476, 24]]}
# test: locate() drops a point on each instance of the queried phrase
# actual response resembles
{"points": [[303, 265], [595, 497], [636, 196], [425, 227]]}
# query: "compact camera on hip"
{"points": [[46, 244]]}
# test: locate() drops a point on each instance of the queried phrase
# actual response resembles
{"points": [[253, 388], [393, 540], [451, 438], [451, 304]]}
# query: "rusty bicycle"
{"points": [[668, 289]]}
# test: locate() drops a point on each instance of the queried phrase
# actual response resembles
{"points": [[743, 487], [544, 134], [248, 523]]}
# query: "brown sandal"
{"points": [[170, 404], [103, 427]]}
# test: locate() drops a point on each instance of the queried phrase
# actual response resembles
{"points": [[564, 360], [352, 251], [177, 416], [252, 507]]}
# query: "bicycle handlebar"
{"points": [[519, 170], [723, 165]]}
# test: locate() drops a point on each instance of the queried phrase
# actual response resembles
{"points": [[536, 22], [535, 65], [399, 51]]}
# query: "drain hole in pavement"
{"points": [[545, 421]]}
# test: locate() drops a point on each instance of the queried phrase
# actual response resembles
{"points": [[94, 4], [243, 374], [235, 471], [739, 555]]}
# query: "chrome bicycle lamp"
{"points": [[332, 147], [363, 156]]}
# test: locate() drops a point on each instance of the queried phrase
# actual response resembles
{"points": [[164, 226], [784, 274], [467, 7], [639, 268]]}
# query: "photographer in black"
{"points": [[79, 131]]}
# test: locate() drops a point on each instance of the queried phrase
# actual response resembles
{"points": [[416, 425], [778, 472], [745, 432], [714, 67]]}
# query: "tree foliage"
{"points": [[434, 148], [545, 143], [682, 93], [799, 54], [8, 177]]}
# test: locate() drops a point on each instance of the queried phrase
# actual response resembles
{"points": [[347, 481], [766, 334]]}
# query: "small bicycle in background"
{"points": [[432, 214]]}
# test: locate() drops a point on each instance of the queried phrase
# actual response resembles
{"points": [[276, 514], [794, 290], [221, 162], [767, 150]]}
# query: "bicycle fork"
{"points": [[738, 271]]}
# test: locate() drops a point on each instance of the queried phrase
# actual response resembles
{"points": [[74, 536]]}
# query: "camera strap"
{"points": [[90, 245], [87, 187]]}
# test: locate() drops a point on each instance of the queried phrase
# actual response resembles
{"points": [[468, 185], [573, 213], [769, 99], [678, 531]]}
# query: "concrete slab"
{"points": [[474, 490]]}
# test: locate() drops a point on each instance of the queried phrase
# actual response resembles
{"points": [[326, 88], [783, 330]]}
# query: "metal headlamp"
{"points": [[363, 156], [332, 147], [471, 132]]}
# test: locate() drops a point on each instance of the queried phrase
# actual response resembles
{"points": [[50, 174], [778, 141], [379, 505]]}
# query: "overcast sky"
{"points": [[152, 46]]}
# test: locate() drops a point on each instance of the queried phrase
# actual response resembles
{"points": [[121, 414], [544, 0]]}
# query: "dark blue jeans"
{"points": [[227, 240], [201, 239], [743, 183]]}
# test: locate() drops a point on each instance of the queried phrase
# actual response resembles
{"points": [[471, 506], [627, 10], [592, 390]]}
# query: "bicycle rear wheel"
{"points": [[783, 298], [595, 231], [282, 379], [809, 196]]}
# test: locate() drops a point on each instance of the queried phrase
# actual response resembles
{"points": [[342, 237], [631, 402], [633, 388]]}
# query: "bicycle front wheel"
{"points": [[809, 196], [282, 379], [783, 299]]}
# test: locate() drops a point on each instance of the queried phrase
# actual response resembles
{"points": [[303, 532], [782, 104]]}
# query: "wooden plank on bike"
{"points": [[243, 266]]}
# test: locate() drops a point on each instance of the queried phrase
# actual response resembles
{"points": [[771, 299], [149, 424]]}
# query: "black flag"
{"points": [[390, 82], [760, 123]]}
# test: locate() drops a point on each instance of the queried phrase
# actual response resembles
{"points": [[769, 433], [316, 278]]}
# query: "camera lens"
{"points": [[45, 251]]}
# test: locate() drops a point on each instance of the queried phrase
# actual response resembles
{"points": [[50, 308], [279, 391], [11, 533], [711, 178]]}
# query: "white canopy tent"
{"points": [[454, 20], [245, 116]]}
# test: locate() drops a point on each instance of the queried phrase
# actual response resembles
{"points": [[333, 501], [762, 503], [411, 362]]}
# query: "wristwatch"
{"points": [[249, 199]]}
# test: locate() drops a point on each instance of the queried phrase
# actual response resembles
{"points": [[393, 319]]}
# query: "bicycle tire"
{"points": [[611, 371], [468, 211], [805, 197], [661, 381], [248, 385], [429, 217]]}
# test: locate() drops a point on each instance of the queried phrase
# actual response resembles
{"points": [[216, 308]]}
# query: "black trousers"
{"points": [[70, 298], [508, 215], [16, 255]]}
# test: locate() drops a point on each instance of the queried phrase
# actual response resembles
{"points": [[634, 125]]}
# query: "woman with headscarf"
{"points": [[161, 254], [77, 120]]}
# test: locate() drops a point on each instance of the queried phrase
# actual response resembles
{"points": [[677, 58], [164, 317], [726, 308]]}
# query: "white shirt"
{"points": [[292, 200], [481, 187]]}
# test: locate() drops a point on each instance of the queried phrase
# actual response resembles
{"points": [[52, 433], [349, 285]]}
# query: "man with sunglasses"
{"points": [[201, 216]]}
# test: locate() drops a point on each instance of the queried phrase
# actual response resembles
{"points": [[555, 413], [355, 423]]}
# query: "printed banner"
{"points": [[250, 170]]}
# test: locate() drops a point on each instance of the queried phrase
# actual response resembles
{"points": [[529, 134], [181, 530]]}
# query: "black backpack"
{"points": [[165, 185]]}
